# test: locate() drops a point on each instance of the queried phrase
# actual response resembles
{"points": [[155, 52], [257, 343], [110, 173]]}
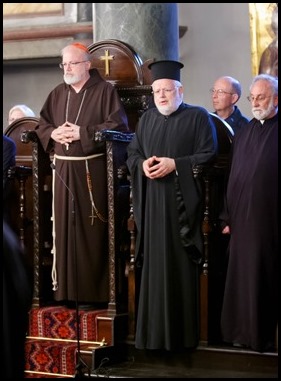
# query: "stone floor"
{"points": [[205, 362]]}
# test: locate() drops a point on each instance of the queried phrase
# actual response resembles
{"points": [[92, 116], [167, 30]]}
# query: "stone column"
{"points": [[84, 12], [84, 15], [150, 28]]}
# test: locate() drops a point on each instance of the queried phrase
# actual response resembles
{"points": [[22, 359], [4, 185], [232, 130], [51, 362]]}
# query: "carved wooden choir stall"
{"points": [[101, 332]]}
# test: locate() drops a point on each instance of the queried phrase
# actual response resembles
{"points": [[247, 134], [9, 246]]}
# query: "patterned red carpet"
{"points": [[60, 323], [51, 344]]}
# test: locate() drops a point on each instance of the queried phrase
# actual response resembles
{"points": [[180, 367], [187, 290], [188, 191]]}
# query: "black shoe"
{"points": [[241, 346], [238, 345]]}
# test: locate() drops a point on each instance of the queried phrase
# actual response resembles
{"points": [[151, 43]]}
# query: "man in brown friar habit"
{"points": [[73, 112]]}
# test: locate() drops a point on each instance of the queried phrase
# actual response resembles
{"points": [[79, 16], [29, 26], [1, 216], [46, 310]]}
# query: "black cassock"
{"points": [[168, 311], [249, 314]]}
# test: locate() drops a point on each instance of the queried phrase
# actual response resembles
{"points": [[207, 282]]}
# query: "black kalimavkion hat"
{"points": [[165, 70]]}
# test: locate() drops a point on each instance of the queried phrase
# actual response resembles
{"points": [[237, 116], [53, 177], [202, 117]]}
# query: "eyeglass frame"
{"points": [[166, 91], [71, 64], [220, 92], [259, 98]]}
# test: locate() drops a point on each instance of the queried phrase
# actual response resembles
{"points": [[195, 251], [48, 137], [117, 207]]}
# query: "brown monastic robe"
{"points": [[80, 248]]}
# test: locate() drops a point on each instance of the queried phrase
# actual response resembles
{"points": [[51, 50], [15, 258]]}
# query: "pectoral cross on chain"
{"points": [[93, 216]]}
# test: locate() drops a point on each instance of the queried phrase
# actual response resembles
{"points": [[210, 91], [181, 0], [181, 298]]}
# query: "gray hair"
{"points": [[235, 84], [273, 81], [80, 47], [24, 109]]}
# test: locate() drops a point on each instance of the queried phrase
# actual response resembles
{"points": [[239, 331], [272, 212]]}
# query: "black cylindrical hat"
{"points": [[165, 69]]}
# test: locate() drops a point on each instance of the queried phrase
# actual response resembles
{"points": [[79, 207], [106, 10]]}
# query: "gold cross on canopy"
{"points": [[106, 58]]}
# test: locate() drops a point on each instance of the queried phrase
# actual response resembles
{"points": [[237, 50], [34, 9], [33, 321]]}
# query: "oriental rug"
{"points": [[51, 344], [60, 323]]}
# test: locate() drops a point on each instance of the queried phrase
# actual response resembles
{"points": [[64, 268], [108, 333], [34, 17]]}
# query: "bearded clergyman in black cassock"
{"points": [[170, 140], [250, 305]]}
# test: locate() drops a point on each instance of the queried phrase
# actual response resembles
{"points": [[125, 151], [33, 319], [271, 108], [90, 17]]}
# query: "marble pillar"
{"points": [[150, 28], [84, 14]]}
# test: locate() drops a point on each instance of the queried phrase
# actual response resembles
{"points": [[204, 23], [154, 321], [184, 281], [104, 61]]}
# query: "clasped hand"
{"points": [[66, 133], [156, 167]]}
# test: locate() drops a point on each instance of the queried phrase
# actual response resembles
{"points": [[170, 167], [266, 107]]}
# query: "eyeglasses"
{"points": [[71, 64], [219, 92], [165, 91], [259, 98]]}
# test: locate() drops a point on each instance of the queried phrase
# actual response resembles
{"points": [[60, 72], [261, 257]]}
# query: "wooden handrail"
{"points": [[45, 32]]}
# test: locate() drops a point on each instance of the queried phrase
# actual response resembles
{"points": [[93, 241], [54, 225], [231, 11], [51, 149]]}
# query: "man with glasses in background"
{"points": [[225, 94], [73, 112], [250, 305], [170, 140]]}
